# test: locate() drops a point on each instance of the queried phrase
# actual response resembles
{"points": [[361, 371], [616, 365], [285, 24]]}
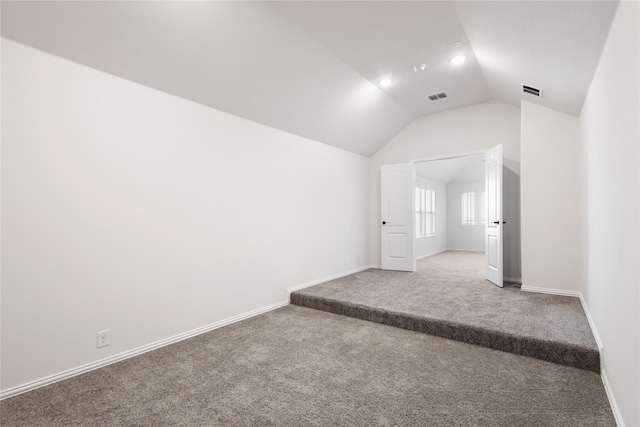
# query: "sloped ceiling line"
{"points": [[312, 68]]}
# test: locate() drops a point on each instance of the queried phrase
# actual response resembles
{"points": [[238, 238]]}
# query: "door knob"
{"points": [[384, 222], [496, 222]]}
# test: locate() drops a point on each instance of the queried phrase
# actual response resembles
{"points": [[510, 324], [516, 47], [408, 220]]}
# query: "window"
{"points": [[468, 208], [473, 208], [425, 212]]}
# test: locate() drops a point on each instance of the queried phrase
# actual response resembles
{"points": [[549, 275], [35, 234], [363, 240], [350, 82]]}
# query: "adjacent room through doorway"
{"points": [[450, 205]]}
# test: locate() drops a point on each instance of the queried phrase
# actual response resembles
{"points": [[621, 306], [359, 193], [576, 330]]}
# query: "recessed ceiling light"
{"points": [[385, 82], [419, 67], [458, 59]]}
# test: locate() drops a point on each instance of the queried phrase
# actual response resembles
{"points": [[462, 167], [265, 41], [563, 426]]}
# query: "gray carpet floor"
{"points": [[448, 296], [297, 366]]}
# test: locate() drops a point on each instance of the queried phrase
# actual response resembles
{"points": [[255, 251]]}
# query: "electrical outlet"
{"points": [[103, 338]]}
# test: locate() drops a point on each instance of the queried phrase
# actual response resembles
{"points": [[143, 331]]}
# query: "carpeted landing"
{"points": [[297, 366], [448, 297]]}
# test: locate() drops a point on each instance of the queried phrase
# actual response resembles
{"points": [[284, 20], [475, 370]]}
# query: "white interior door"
{"points": [[397, 217], [494, 224]]}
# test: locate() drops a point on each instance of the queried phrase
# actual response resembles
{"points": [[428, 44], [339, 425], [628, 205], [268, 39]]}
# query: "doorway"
{"points": [[451, 203], [459, 216]]}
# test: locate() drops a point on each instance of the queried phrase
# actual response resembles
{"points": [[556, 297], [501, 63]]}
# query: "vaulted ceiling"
{"points": [[313, 68], [454, 170]]}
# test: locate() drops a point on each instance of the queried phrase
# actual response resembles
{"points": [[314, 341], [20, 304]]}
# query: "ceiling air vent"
{"points": [[532, 90], [437, 96]]}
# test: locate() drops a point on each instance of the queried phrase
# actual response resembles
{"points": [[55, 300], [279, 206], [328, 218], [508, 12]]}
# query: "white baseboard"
{"points": [[596, 335], [135, 352], [603, 374], [377, 266], [612, 400], [328, 278], [551, 291], [431, 254], [464, 250], [162, 343]]}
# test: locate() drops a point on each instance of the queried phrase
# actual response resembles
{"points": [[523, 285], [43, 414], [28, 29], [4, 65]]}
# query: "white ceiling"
{"points": [[454, 170], [388, 38], [312, 68]]}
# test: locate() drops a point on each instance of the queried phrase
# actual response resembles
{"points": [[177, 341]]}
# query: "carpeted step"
{"points": [[562, 353]]}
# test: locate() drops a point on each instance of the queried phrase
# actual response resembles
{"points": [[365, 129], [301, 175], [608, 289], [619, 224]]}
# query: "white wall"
{"points": [[550, 197], [610, 209], [425, 246], [463, 237], [463, 130], [128, 209]]}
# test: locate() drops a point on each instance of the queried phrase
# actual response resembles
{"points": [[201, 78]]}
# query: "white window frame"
{"points": [[473, 206], [468, 200], [425, 212]]}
